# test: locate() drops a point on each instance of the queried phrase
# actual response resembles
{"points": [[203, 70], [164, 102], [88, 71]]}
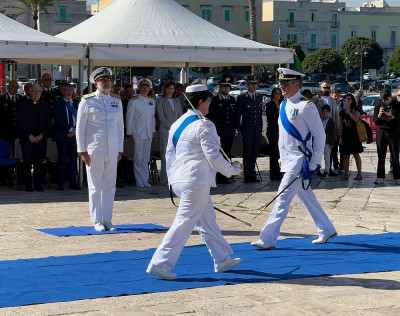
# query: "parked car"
{"points": [[365, 85], [392, 84], [266, 94], [344, 87], [377, 85], [313, 86], [241, 84], [369, 103]]}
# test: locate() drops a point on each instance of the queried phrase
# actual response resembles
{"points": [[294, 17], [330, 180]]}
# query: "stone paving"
{"points": [[355, 207]]}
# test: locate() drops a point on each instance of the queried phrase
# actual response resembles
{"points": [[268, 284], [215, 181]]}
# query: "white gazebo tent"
{"points": [[163, 33], [23, 44]]}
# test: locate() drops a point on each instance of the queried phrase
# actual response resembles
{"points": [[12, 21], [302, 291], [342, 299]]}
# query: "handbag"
{"points": [[361, 131]]}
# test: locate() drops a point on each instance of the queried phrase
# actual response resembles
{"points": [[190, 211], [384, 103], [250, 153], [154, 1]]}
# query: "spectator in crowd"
{"points": [[140, 126], [169, 110], [115, 91], [398, 95], [387, 118], [129, 92], [307, 93], [272, 112], [49, 94], [100, 140], [180, 89], [349, 140], [65, 115], [222, 114], [249, 123], [323, 97], [27, 87], [330, 132], [337, 164], [192, 142], [299, 124], [33, 123], [9, 103], [359, 98]]}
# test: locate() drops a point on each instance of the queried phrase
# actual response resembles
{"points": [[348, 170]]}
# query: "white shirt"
{"points": [[140, 119], [307, 120], [100, 125], [171, 102], [196, 158]]}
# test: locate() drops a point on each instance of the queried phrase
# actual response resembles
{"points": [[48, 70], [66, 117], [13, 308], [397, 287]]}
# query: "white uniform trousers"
{"points": [[327, 157], [141, 160], [271, 230], [101, 176], [163, 149], [195, 208]]}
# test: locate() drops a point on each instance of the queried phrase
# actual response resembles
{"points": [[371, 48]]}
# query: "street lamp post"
{"points": [[362, 53]]}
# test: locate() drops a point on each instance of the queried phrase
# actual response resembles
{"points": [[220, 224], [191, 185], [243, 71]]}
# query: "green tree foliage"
{"points": [[394, 62], [291, 44], [34, 6], [140, 71], [324, 60], [371, 50]]}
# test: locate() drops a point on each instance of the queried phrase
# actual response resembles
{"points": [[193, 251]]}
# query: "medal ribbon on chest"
{"points": [[293, 113]]}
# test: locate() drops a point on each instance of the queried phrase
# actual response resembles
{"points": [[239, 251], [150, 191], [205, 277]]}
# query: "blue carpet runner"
{"points": [[69, 278]]}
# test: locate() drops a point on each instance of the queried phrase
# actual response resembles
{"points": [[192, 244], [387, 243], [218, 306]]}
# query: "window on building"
{"points": [[292, 37], [247, 15], [206, 14], [63, 15], [312, 17], [393, 38], [353, 33], [333, 41], [373, 34], [291, 18], [334, 19], [227, 14], [313, 41]]}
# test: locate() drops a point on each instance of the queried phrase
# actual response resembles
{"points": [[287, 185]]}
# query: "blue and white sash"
{"points": [[187, 121]]}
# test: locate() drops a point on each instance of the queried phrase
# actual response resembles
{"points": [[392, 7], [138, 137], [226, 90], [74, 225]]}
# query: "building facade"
{"points": [[313, 25]]}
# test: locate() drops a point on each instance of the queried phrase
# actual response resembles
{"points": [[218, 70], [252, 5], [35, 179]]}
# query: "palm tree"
{"points": [[33, 6], [253, 28]]}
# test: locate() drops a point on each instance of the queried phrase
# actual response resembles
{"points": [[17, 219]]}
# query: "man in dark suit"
{"points": [[8, 114], [249, 124], [65, 111], [50, 95], [33, 123], [222, 114]]}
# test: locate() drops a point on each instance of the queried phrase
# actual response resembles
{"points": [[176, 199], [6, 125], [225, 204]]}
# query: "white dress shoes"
{"points": [[161, 272], [227, 264], [146, 184], [109, 226], [99, 227], [263, 244], [323, 240]]}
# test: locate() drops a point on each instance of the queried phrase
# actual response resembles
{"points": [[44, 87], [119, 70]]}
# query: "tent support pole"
{"points": [[4, 77], [80, 91], [187, 72], [90, 70]]}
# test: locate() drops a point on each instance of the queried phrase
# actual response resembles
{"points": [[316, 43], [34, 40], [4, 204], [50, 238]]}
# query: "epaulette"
{"points": [[90, 95], [305, 99], [114, 95], [134, 97], [151, 97]]}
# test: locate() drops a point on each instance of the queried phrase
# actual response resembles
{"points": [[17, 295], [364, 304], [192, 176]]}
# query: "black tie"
{"points": [[70, 119]]}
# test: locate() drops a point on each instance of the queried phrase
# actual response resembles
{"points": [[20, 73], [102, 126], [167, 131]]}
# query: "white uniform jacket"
{"points": [[140, 119], [100, 125], [305, 118], [196, 158]]}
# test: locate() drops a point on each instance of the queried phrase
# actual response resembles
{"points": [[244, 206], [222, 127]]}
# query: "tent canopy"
{"points": [[163, 33], [26, 45]]}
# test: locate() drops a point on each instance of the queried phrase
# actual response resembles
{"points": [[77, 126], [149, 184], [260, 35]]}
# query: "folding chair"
{"points": [[6, 161]]}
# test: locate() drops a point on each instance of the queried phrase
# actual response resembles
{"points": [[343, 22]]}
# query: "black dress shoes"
{"points": [[60, 187], [28, 189], [75, 187], [39, 189]]}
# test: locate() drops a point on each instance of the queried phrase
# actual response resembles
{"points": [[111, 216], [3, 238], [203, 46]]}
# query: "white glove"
{"points": [[238, 167]]}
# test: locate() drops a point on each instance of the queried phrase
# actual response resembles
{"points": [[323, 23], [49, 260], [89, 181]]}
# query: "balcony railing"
{"points": [[334, 24]]}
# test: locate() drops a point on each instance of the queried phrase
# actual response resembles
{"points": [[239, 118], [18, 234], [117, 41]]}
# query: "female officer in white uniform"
{"points": [[304, 116], [193, 158]]}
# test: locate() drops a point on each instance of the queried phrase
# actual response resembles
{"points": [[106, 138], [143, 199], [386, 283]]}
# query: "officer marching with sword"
{"points": [[193, 157], [299, 122]]}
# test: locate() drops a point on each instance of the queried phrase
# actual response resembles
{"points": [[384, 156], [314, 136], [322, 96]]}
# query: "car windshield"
{"points": [[371, 100]]}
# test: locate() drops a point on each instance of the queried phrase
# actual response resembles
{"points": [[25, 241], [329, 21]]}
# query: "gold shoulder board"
{"points": [[86, 96]]}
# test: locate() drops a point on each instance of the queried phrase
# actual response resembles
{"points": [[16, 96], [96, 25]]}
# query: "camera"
{"points": [[388, 108]]}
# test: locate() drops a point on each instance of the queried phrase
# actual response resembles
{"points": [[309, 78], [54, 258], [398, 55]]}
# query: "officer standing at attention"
{"points": [[193, 156], [249, 124], [100, 140], [301, 145], [222, 114]]}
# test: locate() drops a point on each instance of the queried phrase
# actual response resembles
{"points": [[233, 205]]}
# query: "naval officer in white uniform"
{"points": [[304, 116], [100, 139], [193, 158], [140, 126]]}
